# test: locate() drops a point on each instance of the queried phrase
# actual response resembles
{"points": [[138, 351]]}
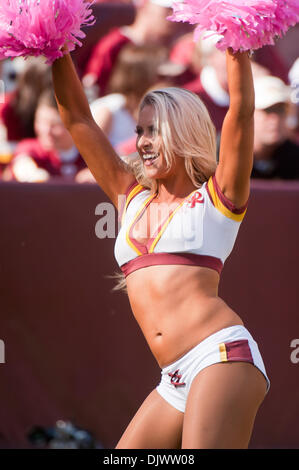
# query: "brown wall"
{"points": [[72, 348]]}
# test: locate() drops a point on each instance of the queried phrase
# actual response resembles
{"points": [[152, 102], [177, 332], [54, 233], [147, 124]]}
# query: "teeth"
{"points": [[149, 156]]}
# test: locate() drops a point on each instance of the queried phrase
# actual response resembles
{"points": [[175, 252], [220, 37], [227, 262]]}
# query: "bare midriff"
{"points": [[177, 307]]}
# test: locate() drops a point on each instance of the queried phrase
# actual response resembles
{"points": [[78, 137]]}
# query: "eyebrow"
{"points": [[151, 127]]}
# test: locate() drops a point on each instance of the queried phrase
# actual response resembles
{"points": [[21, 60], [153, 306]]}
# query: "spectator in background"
{"points": [[136, 71], [108, 15], [18, 109], [206, 74], [51, 153], [275, 156], [210, 84], [9, 71], [150, 27]]}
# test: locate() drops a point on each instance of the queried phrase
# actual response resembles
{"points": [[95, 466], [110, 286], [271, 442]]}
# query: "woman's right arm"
{"points": [[108, 169]]}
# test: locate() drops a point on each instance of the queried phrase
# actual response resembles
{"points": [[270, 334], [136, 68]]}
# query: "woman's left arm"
{"points": [[236, 148]]}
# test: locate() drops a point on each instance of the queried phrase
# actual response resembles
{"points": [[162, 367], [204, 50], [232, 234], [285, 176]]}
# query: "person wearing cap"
{"points": [[275, 155]]}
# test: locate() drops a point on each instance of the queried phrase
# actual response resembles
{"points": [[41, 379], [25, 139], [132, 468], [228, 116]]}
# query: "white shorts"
{"points": [[234, 343]]}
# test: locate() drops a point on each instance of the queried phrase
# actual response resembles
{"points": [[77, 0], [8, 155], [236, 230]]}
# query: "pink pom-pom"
{"points": [[241, 24], [42, 27]]}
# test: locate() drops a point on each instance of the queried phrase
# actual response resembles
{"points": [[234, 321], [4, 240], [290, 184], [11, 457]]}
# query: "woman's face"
{"points": [[149, 144], [50, 130]]}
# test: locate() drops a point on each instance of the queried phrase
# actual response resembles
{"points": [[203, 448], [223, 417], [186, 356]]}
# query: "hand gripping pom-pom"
{"points": [[241, 24], [42, 27]]}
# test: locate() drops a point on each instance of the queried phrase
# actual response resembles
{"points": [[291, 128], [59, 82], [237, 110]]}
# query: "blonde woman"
{"points": [[213, 378]]}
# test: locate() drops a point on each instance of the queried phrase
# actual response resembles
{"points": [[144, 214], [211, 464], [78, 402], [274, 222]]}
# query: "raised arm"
{"points": [[108, 169], [236, 148]]}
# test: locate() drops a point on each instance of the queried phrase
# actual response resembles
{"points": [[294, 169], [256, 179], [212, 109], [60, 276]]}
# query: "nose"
{"points": [[144, 142]]}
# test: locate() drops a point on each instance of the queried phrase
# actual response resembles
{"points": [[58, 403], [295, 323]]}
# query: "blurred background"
{"points": [[75, 361]]}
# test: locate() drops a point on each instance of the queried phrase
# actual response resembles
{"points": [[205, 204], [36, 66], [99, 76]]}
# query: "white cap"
{"points": [[294, 71], [269, 91]]}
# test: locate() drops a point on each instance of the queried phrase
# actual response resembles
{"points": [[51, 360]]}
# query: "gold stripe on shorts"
{"points": [[223, 355]]}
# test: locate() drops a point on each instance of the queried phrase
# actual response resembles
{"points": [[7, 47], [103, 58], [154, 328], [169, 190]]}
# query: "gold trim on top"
{"points": [[221, 207], [132, 193]]}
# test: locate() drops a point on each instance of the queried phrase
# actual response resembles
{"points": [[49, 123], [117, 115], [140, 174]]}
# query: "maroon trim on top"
{"points": [[156, 259], [135, 183], [239, 351], [130, 188], [226, 202]]}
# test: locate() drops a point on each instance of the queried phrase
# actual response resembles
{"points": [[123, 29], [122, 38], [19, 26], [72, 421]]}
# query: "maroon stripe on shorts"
{"points": [[238, 351]]}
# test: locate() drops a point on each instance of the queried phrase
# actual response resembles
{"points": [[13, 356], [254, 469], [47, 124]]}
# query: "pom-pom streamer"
{"points": [[42, 27], [241, 24]]}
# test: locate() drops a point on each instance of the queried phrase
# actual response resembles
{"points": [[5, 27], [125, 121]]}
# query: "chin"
{"points": [[152, 175]]}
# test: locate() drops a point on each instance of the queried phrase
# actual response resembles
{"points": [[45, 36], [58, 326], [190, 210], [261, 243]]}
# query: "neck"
{"points": [[174, 188]]}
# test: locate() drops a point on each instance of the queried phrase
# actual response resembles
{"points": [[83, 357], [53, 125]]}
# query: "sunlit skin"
{"points": [[199, 297], [177, 307]]}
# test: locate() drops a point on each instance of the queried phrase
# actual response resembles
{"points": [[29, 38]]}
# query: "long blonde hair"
{"points": [[187, 131]]}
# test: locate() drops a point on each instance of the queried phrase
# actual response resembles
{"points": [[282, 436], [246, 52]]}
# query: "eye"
{"points": [[138, 130], [152, 130]]}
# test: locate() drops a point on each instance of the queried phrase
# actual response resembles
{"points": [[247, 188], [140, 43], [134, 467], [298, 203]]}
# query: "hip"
{"points": [[232, 344], [171, 332]]}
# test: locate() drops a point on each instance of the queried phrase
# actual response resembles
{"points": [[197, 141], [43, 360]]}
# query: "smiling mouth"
{"points": [[149, 158]]}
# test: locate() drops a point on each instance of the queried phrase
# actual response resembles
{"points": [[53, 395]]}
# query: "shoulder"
{"points": [[113, 102], [6, 102], [28, 145], [33, 148], [110, 41], [221, 203], [133, 190]]}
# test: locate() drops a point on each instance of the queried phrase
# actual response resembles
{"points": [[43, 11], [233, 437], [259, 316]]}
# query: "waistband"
{"points": [[155, 259], [230, 333]]}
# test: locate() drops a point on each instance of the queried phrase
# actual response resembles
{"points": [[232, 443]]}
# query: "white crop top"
{"points": [[200, 231]]}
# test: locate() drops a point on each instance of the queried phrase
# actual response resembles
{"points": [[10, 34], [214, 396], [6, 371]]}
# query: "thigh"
{"points": [[221, 407], [156, 425]]}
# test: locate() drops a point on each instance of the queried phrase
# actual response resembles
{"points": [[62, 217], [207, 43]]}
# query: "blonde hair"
{"points": [[187, 131]]}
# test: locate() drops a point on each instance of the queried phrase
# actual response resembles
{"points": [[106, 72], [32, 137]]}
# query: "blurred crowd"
{"points": [[131, 49]]}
